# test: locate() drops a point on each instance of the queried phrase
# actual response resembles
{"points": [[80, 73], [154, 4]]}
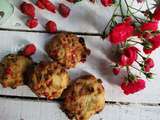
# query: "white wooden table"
{"points": [[144, 105]]}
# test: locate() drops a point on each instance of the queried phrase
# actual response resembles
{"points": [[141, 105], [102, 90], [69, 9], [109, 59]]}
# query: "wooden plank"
{"points": [[98, 64], [29, 110]]}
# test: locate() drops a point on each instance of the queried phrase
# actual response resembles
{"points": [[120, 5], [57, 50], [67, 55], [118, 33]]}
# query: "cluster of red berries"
{"points": [[29, 10]]}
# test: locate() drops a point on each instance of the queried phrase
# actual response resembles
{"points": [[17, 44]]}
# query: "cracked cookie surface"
{"points": [[83, 98], [67, 49], [48, 79]]}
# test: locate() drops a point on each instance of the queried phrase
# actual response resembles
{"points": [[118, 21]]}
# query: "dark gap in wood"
{"points": [[36, 99], [28, 98], [39, 31]]}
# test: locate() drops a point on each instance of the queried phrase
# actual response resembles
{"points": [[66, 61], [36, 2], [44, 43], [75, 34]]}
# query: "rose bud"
{"points": [[149, 62], [116, 70]]}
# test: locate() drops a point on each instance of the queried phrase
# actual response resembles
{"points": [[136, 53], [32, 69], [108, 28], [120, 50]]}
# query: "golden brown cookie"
{"points": [[12, 69], [67, 49], [83, 98], [48, 79]]}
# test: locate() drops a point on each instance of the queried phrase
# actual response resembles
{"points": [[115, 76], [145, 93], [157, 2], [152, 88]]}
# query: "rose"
{"points": [[116, 70], [149, 26], [120, 33], [132, 86], [128, 56], [155, 43]]}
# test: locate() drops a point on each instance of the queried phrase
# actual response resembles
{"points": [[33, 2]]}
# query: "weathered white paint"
{"points": [[29, 110], [87, 18]]}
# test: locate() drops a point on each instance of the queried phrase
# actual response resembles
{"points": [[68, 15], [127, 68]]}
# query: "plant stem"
{"points": [[121, 9], [113, 15], [141, 56], [135, 42], [137, 69], [131, 12]]}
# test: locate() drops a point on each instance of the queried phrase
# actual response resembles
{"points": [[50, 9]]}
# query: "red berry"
{"points": [[40, 4], [64, 10], [29, 50], [32, 23], [116, 71], [28, 9], [49, 5], [51, 26], [106, 2]]}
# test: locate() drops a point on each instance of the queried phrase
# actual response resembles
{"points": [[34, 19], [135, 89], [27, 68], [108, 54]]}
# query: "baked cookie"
{"points": [[83, 98], [12, 68], [67, 49], [48, 79]]}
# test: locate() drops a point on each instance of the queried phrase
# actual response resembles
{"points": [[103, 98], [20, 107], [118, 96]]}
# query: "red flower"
{"points": [[51, 26], [133, 87], [128, 20], [147, 68], [64, 10], [116, 70], [28, 9], [148, 64], [32, 23], [106, 2], [29, 50], [156, 14], [150, 26], [120, 33], [129, 56], [155, 43]]}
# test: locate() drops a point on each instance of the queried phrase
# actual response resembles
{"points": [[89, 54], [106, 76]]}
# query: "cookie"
{"points": [[67, 49], [12, 69], [48, 79], [83, 98]]}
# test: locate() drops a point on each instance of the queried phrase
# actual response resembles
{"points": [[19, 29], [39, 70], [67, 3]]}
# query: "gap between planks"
{"points": [[40, 31], [37, 99]]}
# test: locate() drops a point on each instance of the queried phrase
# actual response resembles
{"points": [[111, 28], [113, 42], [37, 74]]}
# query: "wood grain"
{"points": [[25, 110]]}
